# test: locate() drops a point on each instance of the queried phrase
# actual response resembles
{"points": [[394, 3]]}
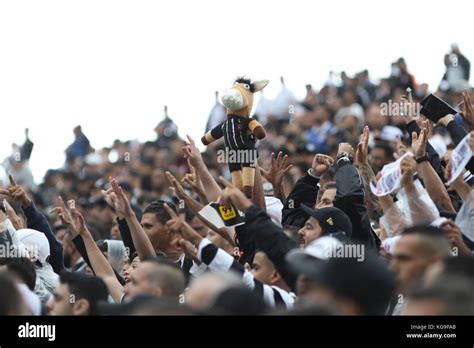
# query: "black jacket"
{"points": [[271, 239], [37, 221], [350, 199], [305, 191]]}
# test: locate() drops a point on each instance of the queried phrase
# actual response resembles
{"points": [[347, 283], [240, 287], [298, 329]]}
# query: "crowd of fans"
{"points": [[117, 231]]}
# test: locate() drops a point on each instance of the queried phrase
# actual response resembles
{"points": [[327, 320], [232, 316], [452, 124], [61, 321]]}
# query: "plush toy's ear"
{"points": [[259, 85]]}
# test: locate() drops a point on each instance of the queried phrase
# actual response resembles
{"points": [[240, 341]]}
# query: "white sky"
{"points": [[112, 65]]}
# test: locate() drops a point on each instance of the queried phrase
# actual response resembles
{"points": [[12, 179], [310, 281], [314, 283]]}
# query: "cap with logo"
{"points": [[331, 219]]}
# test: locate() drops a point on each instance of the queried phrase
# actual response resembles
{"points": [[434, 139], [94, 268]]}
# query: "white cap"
{"points": [[322, 248], [35, 242], [391, 133]]}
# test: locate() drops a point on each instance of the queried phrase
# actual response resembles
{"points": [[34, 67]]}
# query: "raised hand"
{"points": [[79, 222], [175, 223], [363, 147], [107, 195], [64, 215], [345, 147], [120, 200], [277, 169], [177, 188], [17, 193], [190, 250], [194, 181], [192, 153], [14, 218], [408, 105], [418, 144], [468, 113], [401, 149], [321, 164], [408, 167], [178, 226], [453, 232]]}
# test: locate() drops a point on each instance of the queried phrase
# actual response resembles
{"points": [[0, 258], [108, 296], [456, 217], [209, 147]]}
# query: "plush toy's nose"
{"points": [[233, 99]]}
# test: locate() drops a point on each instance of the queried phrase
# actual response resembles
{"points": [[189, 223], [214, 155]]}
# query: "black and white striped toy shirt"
{"points": [[218, 260]]}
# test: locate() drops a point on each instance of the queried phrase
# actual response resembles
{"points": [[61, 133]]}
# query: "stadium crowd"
{"points": [[117, 230]]}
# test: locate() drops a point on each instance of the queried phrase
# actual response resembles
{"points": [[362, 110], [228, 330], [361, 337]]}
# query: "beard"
{"points": [[67, 260]]}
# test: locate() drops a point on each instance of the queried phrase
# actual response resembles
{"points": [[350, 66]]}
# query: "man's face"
{"points": [[61, 303], [68, 247], [157, 232], [373, 118], [378, 158], [199, 226], [408, 261], [309, 232], [327, 199], [140, 281], [127, 270], [262, 268], [115, 232], [349, 122]]}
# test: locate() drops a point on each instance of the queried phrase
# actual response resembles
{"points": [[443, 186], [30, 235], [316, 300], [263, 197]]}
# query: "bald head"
{"points": [[204, 289]]}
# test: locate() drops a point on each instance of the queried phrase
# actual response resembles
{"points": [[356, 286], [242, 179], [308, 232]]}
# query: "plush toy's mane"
{"points": [[245, 80]]}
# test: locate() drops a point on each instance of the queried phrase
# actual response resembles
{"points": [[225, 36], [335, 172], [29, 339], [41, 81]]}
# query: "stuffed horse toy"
{"points": [[239, 132]]}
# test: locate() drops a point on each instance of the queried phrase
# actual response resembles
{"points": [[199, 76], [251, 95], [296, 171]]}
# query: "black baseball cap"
{"points": [[332, 219], [354, 280]]}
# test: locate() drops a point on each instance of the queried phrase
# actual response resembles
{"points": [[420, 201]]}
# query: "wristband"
{"points": [[346, 156], [422, 158]]}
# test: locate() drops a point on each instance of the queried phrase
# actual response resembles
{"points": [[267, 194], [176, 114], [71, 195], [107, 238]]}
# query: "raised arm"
{"points": [[195, 206], [194, 181], [122, 206], [420, 210], [433, 184], [279, 166], [268, 237], [366, 172], [258, 196], [100, 265], [218, 260], [305, 192], [37, 221], [350, 196], [468, 113], [412, 126], [192, 153]]}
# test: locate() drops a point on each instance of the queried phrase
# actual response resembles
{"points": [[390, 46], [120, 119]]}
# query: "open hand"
{"points": [[277, 169]]}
